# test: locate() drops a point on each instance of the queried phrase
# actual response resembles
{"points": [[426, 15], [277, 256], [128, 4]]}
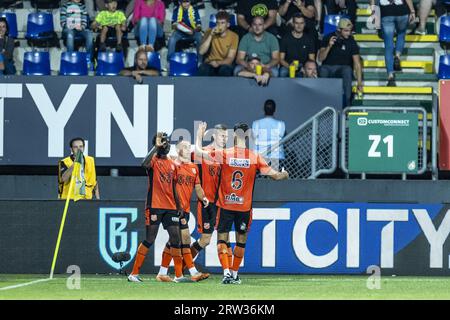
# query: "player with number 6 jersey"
{"points": [[239, 167]]}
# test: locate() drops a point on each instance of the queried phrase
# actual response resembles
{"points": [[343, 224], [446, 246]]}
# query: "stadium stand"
{"points": [[330, 23], [109, 63], [444, 67], [36, 63], [73, 64], [154, 60], [183, 64]]}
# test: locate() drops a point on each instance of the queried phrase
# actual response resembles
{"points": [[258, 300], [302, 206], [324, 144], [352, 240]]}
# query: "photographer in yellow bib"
{"points": [[86, 178]]}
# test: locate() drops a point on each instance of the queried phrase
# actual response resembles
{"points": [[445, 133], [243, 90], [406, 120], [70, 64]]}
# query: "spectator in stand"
{"points": [[347, 7], [339, 55], [125, 6], [110, 22], [424, 11], [289, 8], [262, 44], [74, 21], [266, 133], [248, 9], [89, 8], [148, 20], [395, 17], [6, 49], [186, 25], [140, 67], [251, 71], [309, 69], [296, 46], [219, 47]]}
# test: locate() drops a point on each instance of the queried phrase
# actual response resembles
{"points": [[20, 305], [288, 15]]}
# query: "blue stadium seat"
{"points": [[12, 23], [183, 64], [109, 63], [73, 64], [212, 20], [331, 23], [36, 63], [444, 33], [40, 26], [154, 60], [444, 67]]}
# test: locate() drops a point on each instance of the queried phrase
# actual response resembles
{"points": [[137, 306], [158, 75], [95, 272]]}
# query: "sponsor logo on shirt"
{"points": [[233, 199], [239, 163]]}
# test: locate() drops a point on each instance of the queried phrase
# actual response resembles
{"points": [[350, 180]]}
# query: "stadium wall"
{"points": [[39, 115], [286, 237]]}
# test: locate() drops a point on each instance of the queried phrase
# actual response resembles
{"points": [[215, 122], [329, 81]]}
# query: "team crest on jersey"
{"points": [[194, 171], [239, 163], [233, 199]]}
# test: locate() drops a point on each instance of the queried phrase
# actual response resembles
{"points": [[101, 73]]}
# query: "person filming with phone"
{"points": [[339, 54]]}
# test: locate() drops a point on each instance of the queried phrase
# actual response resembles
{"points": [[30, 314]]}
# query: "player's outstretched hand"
{"points": [[202, 129], [285, 173]]}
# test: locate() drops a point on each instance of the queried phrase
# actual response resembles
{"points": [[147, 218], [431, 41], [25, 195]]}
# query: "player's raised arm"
{"points": [[160, 141], [199, 152], [266, 170]]}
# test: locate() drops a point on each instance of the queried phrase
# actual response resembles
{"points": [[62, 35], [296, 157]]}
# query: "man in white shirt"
{"points": [[267, 132]]}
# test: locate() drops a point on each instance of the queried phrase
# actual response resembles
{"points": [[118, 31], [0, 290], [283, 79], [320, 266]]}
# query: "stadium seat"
{"points": [[109, 63], [444, 67], [330, 23], [212, 20], [12, 23], [154, 60], [183, 64], [36, 63], [444, 33], [40, 28], [73, 64]]}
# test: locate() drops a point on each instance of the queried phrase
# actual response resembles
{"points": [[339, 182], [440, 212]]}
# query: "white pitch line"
{"points": [[24, 284]]}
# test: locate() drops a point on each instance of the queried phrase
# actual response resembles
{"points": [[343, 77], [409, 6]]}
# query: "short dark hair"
{"points": [[269, 107], [257, 17], [241, 126], [222, 15], [76, 139], [310, 61], [298, 15]]}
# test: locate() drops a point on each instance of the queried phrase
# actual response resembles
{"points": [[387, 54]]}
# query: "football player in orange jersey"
{"points": [[239, 166], [187, 180], [209, 178], [162, 206]]}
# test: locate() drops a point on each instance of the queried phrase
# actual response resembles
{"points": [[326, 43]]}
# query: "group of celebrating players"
{"points": [[223, 179]]}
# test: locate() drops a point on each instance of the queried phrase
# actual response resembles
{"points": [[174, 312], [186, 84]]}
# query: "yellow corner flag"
{"points": [[77, 191]]}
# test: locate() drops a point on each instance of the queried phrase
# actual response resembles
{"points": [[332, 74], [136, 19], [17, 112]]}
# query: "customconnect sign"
{"points": [[383, 142], [333, 238]]}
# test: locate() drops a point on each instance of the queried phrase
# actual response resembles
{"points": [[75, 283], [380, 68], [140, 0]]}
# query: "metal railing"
{"points": [[311, 149], [425, 131]]}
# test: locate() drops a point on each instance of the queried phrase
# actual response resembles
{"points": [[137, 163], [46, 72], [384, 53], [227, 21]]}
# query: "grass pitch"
{"points": [[282, 287]]}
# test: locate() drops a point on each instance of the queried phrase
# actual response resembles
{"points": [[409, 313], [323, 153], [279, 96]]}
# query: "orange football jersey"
{"points": [[237, 178], [209, 172], [187, 178], [161, 177]]}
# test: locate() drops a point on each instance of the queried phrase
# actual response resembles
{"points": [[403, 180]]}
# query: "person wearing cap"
{"points": [[339, 54], [259, 43], [219, 47], [296, 46], [186, 25], [395, 18], [250, 71]]}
